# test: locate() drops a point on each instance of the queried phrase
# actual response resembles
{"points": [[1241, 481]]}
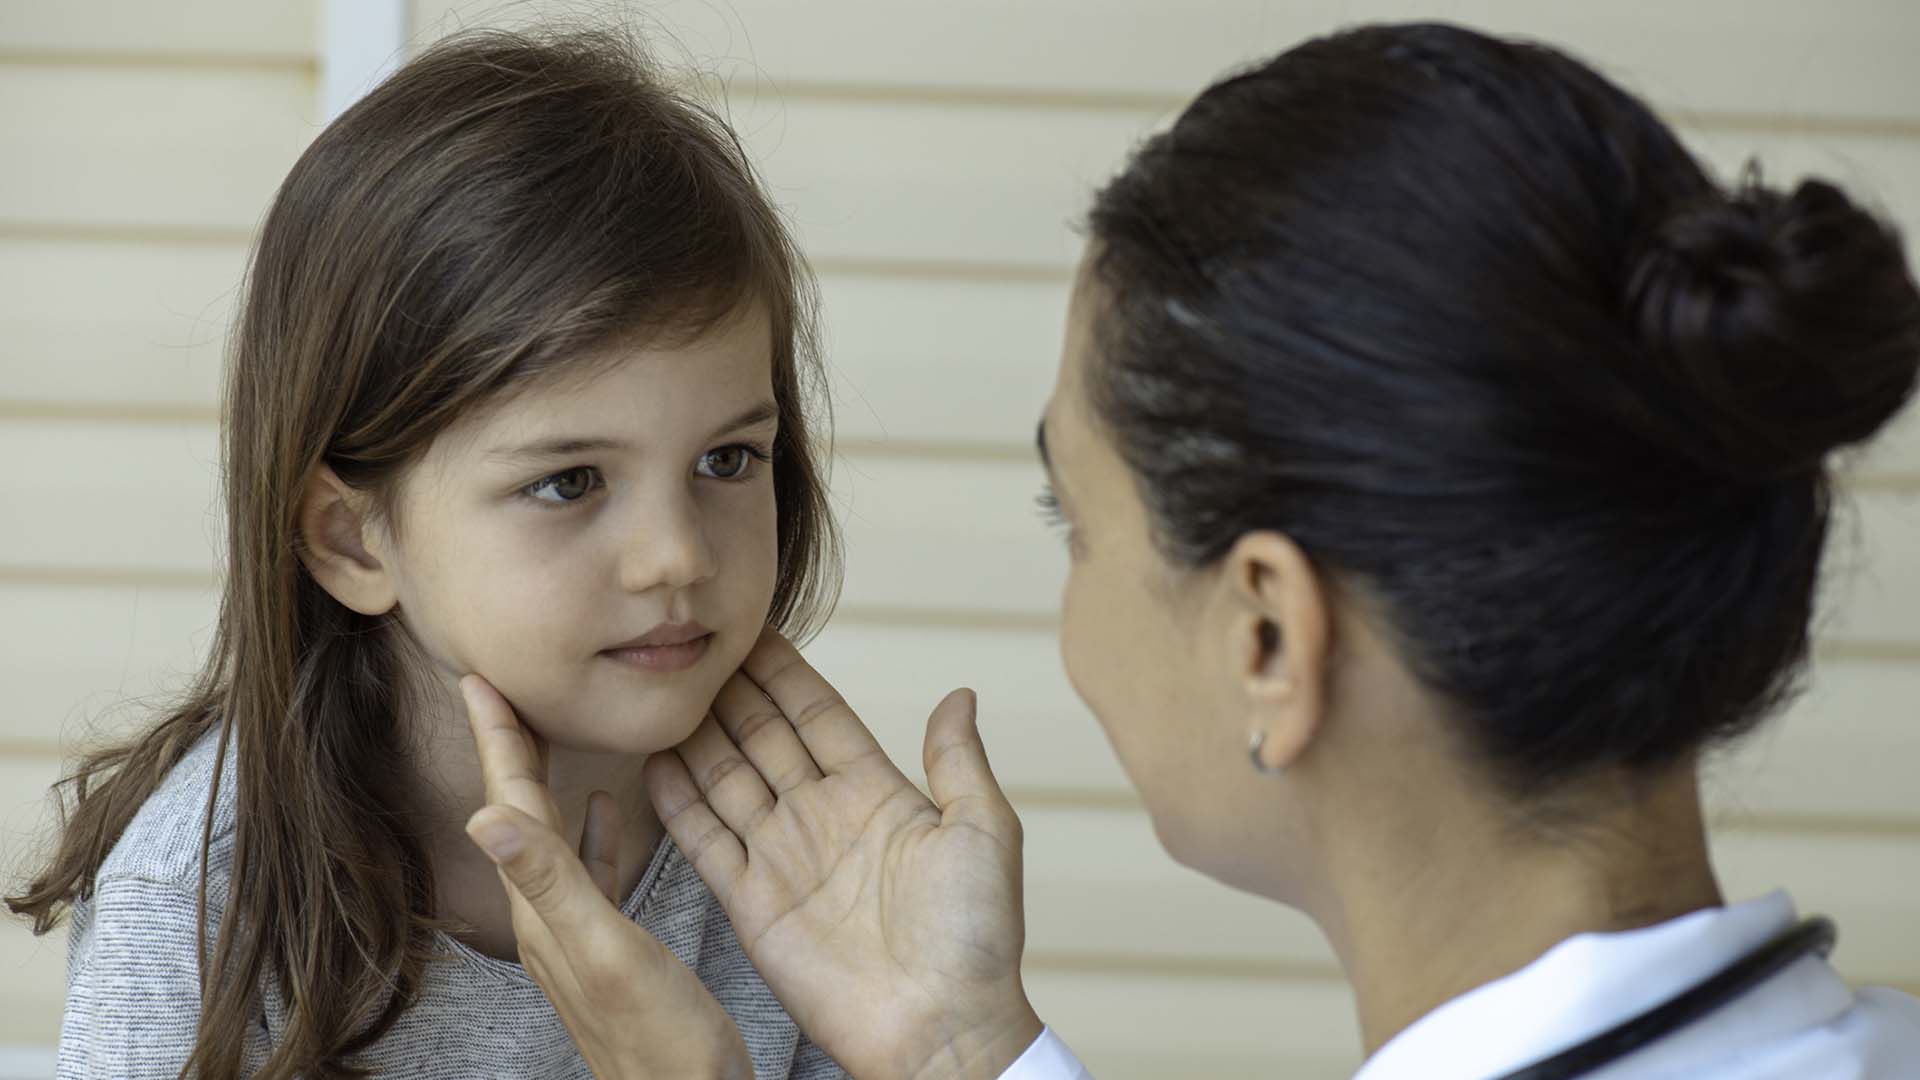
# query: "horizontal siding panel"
{"points": [[1128, 1025], [955, 362], [115, 323], [1881, 171], [1097, 877], [961, 362], [26, 815], [284, 29], [946, 535], [964, 360], [966, 183], [1864, 882], [175, 148], [33, 986], [142, 497], [1898, 448], [981, 183], [135, 495], [862, 180], [139, 326], [1872, 592], [1848, 58], [33, 970], [90, 661], [1037, 733], [914, 360], [1844, 751]]}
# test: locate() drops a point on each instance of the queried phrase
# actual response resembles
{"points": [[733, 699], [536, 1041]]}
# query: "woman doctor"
{"points": [[1444, 463]]}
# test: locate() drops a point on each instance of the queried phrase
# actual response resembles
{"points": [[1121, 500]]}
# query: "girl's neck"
{"points": [[1435, 911], [468, 891]]}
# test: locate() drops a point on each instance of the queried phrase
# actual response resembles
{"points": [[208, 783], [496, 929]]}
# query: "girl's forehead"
{"points": [[639, 387]]}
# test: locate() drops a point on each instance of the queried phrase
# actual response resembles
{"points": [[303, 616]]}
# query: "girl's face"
{"points": [[601, 549]]}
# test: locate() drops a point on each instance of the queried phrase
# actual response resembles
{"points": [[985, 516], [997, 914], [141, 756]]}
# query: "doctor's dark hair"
{"points": [[1467, 323]]}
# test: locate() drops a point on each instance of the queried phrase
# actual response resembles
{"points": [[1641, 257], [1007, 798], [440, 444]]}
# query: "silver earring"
{"points": [[1253, 752]]}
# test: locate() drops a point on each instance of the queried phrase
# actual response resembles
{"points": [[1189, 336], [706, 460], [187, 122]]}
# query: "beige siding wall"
{"points": [[931, 156]]}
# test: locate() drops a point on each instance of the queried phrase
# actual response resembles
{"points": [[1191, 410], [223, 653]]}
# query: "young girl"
{"points": [[522, 387]]}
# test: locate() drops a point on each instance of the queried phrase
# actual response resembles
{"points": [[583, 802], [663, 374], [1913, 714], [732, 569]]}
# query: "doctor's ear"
{"points": [[1278, 642], [339, 545]]}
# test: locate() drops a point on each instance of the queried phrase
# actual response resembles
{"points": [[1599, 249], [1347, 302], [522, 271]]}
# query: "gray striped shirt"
{"points": [[133, 982]]}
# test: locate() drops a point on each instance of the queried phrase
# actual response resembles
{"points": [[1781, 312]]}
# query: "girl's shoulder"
{"points": [[162, 843], [135, 942]]}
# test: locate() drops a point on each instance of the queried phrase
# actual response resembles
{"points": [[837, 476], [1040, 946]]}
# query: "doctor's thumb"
{"points": [[958, 775], [543, 871]]}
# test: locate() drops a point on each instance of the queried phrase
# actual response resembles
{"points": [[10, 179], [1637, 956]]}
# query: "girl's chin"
{"points": [[609, 735]]}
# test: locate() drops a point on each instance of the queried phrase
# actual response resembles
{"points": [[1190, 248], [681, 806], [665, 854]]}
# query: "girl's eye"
{"points": [[730, 462], [565, 487]]}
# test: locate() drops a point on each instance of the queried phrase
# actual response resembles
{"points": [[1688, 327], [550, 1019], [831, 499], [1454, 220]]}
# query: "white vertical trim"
{"points": [[360, 44]]}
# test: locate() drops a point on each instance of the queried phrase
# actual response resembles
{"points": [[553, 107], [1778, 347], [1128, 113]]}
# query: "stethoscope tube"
{"points": [[1812, 935]]}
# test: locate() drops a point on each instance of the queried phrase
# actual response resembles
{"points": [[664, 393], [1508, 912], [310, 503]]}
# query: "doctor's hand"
{"points": [[633, 1009], [888, 924]]}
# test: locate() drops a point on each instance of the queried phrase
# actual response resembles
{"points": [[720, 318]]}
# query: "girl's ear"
{"points": [[336, 547], [1278, 640]]}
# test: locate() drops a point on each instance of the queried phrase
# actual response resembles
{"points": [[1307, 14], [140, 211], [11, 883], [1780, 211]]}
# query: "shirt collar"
{"points": [[1575, 990]]}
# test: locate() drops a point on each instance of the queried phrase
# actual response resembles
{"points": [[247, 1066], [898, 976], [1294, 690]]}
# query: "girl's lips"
{"points": [[662, 658]]}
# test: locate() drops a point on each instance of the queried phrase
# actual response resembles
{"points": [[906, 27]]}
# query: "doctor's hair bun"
{"points": [[1787, 323], [1469, 324]]}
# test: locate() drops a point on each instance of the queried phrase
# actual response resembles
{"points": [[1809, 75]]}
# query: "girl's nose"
{"points": [[667, 546]]}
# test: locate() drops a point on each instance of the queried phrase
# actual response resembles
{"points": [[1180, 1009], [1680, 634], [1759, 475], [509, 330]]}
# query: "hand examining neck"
{"points": [[632, 1007], [451, 788], [887, 922]]}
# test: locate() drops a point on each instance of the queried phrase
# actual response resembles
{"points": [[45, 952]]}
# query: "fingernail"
{"points": [[499, 839]]}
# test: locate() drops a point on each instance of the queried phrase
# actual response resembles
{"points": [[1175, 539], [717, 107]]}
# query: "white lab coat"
{"points": [[1804, 1023]]}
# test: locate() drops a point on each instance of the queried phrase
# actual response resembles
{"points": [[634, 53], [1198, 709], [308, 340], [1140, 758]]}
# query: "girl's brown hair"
{"points": [[488, 216]]}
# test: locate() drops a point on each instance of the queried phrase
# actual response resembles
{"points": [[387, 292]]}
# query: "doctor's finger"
{"points": [[828, 727], [727, 781], [762, 732], [715, 851], [557, 905], [600, 844], [513, 760]]}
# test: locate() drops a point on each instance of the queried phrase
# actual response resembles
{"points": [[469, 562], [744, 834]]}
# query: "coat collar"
{"points": [[1590, 982]]}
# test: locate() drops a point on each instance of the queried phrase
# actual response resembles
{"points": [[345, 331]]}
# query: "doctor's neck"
{"points": [[1456, 889]]}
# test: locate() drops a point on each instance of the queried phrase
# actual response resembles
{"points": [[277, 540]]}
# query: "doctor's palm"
{"points": [[888, 924]]}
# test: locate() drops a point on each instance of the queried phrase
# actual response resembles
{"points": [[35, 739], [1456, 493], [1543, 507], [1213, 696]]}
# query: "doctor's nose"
{"points": [[667, 546]]}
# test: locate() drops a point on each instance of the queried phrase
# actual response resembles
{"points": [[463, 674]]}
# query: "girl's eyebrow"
{"points": [[753, 417], [569, 445], [557, 446]]}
